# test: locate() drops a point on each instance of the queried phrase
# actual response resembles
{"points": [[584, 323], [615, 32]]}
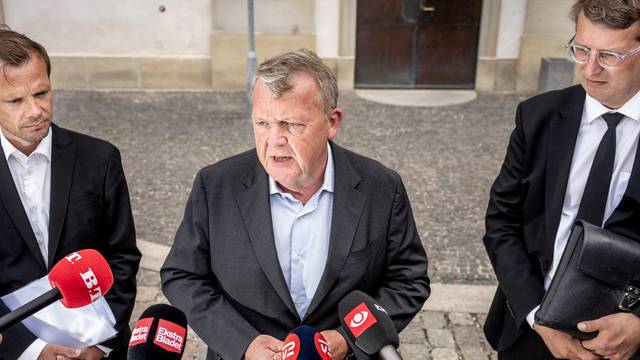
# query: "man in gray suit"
{"points": [[275, 237]]}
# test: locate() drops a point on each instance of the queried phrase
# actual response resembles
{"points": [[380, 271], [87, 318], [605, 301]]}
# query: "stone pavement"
{"points": [[447, 156]]}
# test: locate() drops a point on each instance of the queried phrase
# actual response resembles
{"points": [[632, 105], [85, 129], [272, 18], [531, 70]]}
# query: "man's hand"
{"points": [[56, 352], [59, 352], [618, 335], [337, 344], [563, 345], [264, 347]]}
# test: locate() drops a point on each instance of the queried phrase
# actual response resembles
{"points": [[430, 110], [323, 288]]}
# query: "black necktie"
{"points": [[594, 197]]}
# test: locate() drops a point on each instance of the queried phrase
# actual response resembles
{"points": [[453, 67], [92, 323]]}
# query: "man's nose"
{"points": [[34, 110], [592, 66], [276, 134]]}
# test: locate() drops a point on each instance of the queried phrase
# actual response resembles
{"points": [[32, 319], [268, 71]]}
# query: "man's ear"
{"points": [[334, 122]]}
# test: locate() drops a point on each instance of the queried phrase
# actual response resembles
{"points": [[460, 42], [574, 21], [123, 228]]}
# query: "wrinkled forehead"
{"points": [[29, 75]]}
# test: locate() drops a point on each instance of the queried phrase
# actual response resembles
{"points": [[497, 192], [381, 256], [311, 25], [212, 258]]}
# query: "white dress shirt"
{"points": [[301, 233], [32, 176], [592, 129]]}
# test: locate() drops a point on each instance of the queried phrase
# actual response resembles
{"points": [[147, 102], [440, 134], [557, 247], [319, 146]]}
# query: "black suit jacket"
{"points": [[89, 208], [525, 207], [223, 269]]}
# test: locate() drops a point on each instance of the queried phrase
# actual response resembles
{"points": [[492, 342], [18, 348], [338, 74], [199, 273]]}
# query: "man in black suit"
{"points": [[573, 154], [275, 237], [60, 192]]}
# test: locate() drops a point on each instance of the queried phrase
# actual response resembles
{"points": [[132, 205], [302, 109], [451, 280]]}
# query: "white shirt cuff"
{"points": [[105, 350], [531, 319], [33, 351]]}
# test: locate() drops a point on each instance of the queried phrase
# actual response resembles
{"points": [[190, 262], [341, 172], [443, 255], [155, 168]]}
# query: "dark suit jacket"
{"points": [[89, 208], [526, 203], [223, 269]]}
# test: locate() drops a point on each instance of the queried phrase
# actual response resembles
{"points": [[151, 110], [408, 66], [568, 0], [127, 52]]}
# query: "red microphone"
{"points": [[79, 279]]}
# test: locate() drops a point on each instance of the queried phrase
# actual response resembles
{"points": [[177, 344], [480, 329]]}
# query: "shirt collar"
{"points": [[594, 109], [327, 184], [43, 148]]}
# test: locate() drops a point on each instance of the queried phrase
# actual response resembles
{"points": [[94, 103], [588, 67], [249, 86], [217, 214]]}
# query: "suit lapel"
{"points": [[62, 164], [256, 212], [347, 209], [563, 133], [12, 203]]}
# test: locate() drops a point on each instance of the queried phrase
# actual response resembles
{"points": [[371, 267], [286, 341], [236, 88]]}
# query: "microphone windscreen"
{"points": [[82, 277], [160, 333], [367, 323], [305, 343]]}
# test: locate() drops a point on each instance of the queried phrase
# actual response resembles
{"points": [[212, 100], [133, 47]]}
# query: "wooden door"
{"points": [[417, 43]]}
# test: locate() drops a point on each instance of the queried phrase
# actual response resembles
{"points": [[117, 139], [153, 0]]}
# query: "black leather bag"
{"points": [[598, 275]]}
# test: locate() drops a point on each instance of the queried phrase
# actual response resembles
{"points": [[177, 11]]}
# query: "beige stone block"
{"points": [[489, 28], [113, 73], [160, 73], [332, 63], [486, 74], [229, 55], [346, 73], [532, 50], [228, 61], [549, 17], [269, 45], [506, 74], [68, 72]]}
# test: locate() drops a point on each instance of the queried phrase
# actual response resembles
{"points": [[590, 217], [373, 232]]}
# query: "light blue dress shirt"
{"points": [[301, 232]]}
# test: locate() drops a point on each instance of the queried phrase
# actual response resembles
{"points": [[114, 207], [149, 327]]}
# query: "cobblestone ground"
{"points": [[447, 156], [430, 335]]}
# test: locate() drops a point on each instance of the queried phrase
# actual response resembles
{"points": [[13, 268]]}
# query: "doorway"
{"points": [[417, 44]]}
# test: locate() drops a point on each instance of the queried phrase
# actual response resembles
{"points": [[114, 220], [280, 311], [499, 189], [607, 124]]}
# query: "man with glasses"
{"points": [[573, 155], [275, 237]]}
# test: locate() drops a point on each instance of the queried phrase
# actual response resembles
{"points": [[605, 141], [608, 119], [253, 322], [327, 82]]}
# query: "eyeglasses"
{"points": [[607, 59], [293, 128]]}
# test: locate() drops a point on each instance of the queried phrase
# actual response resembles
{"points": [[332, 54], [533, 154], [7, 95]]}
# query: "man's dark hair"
{"points": [[615, 14], [17, 49]]}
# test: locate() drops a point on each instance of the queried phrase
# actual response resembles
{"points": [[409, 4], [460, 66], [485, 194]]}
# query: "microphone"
{"points": [[79, 279], [369, 326], [160, 333], [305, 343]]}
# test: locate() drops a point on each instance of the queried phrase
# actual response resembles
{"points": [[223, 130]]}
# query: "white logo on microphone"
{"points": [[324, 347], [359, 319], [287, 350], [380, 308]]}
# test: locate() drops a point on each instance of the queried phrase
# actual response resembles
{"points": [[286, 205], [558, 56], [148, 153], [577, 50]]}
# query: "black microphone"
{"points": [[305, 343], [368, 326], [160, 333], [79, 279]]}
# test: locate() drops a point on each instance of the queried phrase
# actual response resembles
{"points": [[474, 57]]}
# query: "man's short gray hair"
{"points": [[615, 14], [277, 71]]}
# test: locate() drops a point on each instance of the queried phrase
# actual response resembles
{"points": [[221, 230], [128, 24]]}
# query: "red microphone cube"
{"points": [[82, 277]]}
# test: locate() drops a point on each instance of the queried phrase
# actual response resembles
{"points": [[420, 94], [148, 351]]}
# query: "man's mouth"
{"points": [[36, 125], [281, 158], [596, 82]]}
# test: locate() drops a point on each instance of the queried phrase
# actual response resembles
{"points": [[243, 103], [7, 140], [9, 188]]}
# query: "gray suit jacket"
{"points": [[223, 268]]}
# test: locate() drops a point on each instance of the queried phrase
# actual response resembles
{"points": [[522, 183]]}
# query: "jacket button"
{"points": [[545, 265]]}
